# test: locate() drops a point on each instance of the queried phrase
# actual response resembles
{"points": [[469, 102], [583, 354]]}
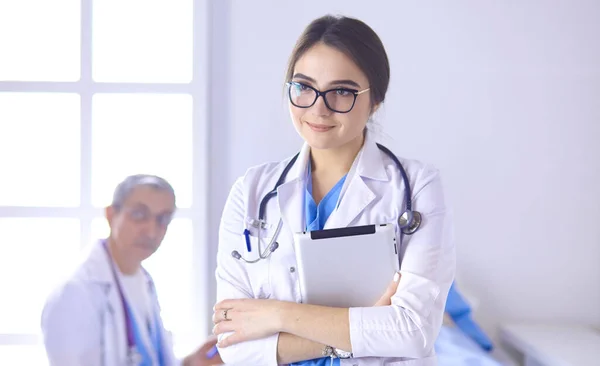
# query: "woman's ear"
{"points": [[375, 108]]}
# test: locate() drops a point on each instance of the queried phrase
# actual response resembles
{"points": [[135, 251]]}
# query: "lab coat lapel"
{"points": [[97, 267], [290, 195], [358, 196]]}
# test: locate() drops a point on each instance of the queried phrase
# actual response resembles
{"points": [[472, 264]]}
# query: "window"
{"points": [[149, 133], [156, 48], [90, 92], [31, 124], [47, 246], [40, 40]]}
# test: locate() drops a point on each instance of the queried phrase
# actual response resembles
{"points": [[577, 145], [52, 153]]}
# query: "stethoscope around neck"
{"points": [[408, 223]]}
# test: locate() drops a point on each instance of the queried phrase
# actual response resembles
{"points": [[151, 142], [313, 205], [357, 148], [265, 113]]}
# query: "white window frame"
{"points": [[86, 213]]}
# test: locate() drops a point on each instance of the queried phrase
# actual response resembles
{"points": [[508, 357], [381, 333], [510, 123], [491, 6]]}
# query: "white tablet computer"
{"points": [[346, 267]]}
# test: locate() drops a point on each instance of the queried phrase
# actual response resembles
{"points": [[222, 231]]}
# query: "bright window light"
{"points": [[144, 41], [39, 149], [40, 40], [141, 133], [36, 254]]}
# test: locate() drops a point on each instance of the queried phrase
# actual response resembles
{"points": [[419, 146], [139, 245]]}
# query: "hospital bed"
{"points": [[461, 344]]}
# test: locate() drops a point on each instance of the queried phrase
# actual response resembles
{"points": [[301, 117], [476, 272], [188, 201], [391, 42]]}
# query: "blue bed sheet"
{"points": [[454, 348]]}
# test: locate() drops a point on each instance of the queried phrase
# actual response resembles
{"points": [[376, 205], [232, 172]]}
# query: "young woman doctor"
{"points": [[337, 77]]}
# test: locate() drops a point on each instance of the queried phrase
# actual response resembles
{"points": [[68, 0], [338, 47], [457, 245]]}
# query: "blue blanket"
{"points": [[454, 348]]}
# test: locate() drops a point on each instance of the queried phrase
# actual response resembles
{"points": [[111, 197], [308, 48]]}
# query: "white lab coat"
{"points": [[401, 334], [83, 322]]}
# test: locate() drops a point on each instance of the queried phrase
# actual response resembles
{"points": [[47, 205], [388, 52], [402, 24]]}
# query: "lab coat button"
{"points": [[292, 269]]}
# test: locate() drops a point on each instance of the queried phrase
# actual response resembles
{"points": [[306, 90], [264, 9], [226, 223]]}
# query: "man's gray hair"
{"points": [[127, 186]]}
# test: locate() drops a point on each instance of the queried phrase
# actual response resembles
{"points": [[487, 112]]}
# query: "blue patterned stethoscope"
{"points": [[133, 355]]}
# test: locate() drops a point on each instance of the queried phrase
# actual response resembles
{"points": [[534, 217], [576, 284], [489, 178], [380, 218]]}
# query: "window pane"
{"points": [[35, 254], [141, 133], [171, 268], [142, 41], [40, 40], [39, 146], [23, 355]]}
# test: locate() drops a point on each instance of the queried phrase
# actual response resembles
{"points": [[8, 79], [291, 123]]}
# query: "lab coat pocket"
{"points": [[258, 272]]}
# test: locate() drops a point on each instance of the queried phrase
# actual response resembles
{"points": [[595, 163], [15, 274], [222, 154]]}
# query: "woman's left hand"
{"points": [[248, 319]]}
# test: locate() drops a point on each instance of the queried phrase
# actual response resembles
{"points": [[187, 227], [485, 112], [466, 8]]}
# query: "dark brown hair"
{"points": [[353, 38]]}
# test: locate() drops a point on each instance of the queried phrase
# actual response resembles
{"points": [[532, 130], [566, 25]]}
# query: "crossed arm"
{"points": [[303, 329], [291, 348]]}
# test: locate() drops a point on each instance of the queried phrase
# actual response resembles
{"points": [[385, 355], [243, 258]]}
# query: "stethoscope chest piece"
{"points": [[409, 222], [133, 357]]}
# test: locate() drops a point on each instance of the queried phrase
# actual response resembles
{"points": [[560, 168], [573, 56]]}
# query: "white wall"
{"points": [[503, 98]]}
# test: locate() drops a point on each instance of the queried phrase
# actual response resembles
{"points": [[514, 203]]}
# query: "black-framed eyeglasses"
{"points": [[339, 100]]}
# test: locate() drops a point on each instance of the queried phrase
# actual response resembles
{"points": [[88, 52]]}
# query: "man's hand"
{"points": [[386, 298], [200, 358]]}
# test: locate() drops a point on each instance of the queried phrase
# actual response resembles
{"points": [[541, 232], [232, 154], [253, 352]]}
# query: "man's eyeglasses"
{"points": [[141, 214]]}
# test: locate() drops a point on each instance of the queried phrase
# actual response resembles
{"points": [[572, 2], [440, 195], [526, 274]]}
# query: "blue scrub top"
{"points": [[316, 215], [315, 218], [146, 359]]}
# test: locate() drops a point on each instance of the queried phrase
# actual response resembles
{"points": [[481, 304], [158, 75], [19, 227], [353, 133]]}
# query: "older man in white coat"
{"points": [[107, 312]]}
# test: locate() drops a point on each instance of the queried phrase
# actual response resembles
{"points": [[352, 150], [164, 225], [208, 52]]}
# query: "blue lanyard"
{"points": [[137, 354]]}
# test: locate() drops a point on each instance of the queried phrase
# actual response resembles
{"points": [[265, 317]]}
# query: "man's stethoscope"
{"points": [[409, 222], [133, 355]]}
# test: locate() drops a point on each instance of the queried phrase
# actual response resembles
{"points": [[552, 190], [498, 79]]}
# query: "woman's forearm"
{"points": [[291, 348], [320, 324]]}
